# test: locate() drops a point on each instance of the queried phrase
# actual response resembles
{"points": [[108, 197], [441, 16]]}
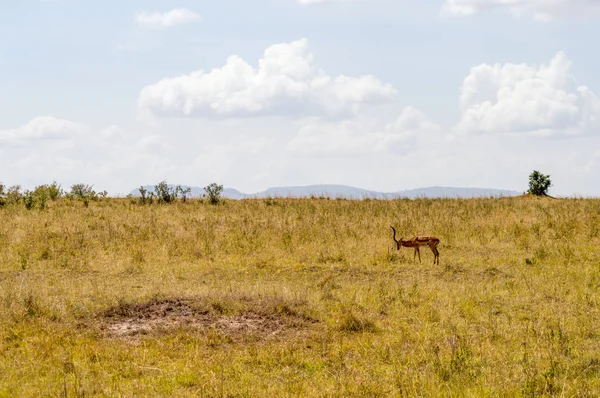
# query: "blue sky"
{"points": [[384, 95]]}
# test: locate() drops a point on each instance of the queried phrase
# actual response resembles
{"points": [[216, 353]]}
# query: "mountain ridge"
{"points": [[349, 192]]}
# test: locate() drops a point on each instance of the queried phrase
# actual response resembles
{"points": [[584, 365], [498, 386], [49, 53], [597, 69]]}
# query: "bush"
{"points": [[213, 191], [164, 193], [83, 192], [11, 196], [45, 192], [2, 195], [36, 198], [184, 192], [29, 200], [55, 191], [539, 184], [146, 197], [14, 194], [41, 194]]}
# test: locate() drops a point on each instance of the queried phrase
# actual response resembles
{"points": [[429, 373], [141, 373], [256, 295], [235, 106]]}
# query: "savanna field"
{"points": [[300, 297]]}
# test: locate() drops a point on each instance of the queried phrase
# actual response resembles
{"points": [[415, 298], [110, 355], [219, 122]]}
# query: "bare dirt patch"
{"points": [[159, 316]]}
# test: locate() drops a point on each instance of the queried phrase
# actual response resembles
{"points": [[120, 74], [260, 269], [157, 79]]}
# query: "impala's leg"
{"points": [[418, 252], [436, 254], [434, 251]]}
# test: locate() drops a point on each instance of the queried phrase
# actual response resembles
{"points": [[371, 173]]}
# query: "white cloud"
{"points": [[286, 81], [308, 2], [362, 137], [44, 128], [220, 160], [47, 148], [175, 17], [373, 151], [592, 163], [540, 10], [518, 98]]}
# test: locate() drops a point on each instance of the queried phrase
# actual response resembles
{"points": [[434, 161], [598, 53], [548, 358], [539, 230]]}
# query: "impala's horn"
{"points": [[394, 234], [397, 241]]}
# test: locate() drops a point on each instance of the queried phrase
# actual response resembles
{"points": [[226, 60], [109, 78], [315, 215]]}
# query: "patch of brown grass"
{"points": [[158, 316]]}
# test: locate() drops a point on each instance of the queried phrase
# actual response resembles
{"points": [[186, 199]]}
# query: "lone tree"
{"points": [[213, 191], [539, 184]]}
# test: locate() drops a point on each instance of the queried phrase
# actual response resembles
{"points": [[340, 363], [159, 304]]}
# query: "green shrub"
{"points": [[213, 192], [146, 197], [14, 195], [32, 199], [2, 195], [41, 194], [164, 193], [184, 192], [539, 184], [84, 193], [55, 191], [29, 200]]}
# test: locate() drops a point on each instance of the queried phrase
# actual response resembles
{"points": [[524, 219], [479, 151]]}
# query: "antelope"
{"points": [[418, 241]]}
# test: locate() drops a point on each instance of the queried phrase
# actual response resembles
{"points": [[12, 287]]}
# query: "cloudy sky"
{"points": [[380, 94]]}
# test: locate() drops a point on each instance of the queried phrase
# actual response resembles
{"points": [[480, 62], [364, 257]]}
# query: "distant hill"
{"points": [[348, 192], [195, 192], [450, 192], [332, 191]]}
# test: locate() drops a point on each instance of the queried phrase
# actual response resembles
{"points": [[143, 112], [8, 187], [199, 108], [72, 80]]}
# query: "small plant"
{"points": [[539, 184], [184, 192], [41, 194], [36, 198], [29, 200], [14, 194], [271, 201], [213, 191], [11, 195], [352, 324], [55, 191], [146, 197], [83, 192], [164, 193], [2, 195]]}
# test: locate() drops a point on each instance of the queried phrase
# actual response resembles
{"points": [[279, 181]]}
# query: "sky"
{"points": [[384, 95]]}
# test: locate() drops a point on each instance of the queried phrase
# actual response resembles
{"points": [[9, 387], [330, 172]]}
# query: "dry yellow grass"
{"points": [[284, 297]]}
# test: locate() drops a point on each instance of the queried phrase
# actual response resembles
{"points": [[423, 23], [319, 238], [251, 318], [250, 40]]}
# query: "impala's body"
{"points": [[418, 241]]}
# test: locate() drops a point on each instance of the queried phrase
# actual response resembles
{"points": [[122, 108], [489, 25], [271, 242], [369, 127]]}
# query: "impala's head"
{"points": [[397, 241]]}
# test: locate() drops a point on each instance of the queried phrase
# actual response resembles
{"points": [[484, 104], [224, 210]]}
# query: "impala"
{"points": [[418, 241]]}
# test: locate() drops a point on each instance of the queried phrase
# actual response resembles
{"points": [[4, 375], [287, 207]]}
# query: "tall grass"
{"points": [[513, 309]]}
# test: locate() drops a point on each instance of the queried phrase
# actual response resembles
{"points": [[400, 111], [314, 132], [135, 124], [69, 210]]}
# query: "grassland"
{"points": [[284, 297]]}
